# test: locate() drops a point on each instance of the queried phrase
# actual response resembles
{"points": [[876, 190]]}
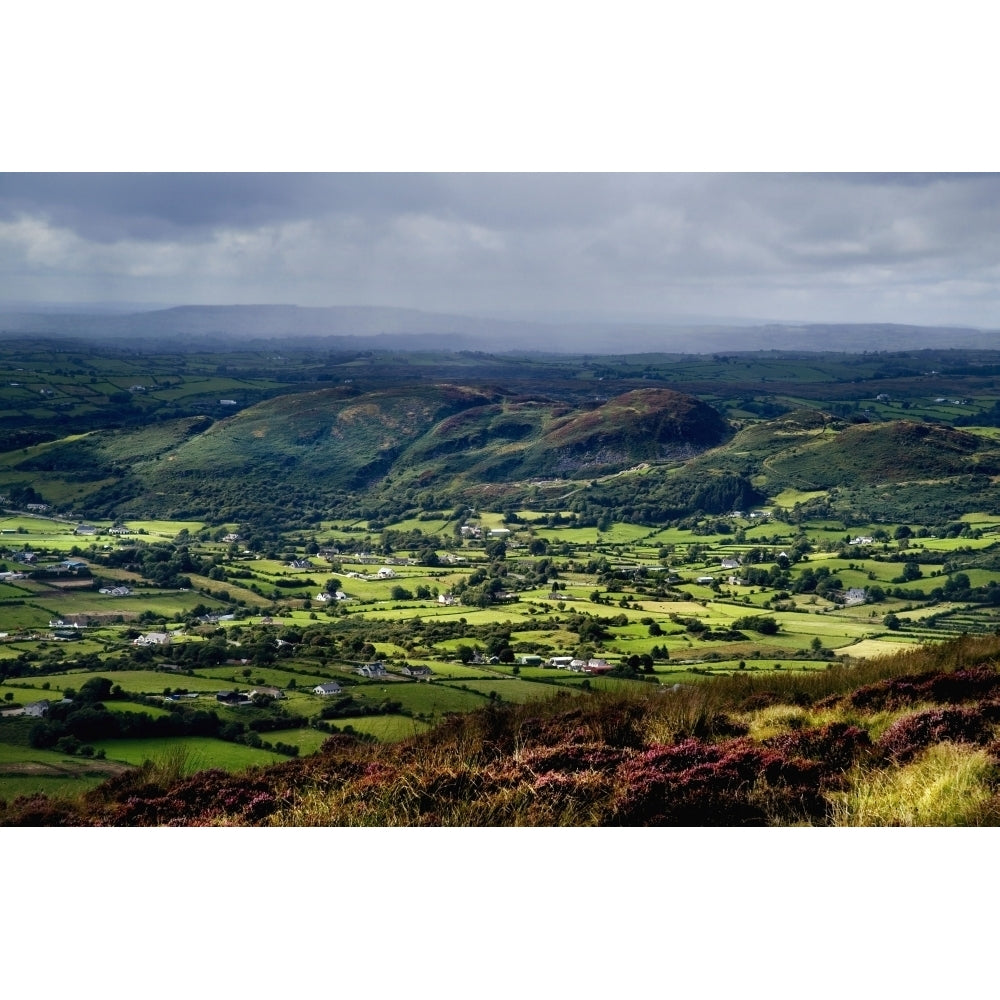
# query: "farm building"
{"points": [[233, 698], [267, 692]]}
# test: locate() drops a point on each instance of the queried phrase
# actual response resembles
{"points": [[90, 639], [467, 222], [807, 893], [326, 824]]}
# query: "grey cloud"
{"points": [[887, 247]]}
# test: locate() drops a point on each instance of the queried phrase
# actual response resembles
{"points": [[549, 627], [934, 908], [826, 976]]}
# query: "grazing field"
{"points": [[197, 753], [28, 771], [386, 728], [133, 681]]}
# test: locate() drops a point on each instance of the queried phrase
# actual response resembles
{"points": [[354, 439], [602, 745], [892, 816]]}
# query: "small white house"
{"points": [[326, 689], [152, 639], [412, 671]]}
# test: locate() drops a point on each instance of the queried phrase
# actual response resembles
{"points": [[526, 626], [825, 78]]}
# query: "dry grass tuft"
{"points": [[947, 785]]}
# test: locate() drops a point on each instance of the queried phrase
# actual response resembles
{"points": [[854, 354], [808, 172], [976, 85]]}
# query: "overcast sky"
{"points": [[904, 248]]}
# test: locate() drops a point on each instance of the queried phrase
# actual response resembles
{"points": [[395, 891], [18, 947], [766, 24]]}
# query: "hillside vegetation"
{"points": [[877, 453], [911, 740], [315, 448]]}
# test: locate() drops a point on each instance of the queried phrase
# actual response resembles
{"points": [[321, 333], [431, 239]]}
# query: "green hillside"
{"points": [[310, 450], [290, 438], [526, 439], [876, 453]]}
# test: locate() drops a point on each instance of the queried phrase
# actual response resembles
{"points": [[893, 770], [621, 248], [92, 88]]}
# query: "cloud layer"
{"points": [[814, 247]]}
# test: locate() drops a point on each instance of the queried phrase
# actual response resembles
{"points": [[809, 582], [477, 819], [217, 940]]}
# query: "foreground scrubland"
{"points": [[910, 740]]}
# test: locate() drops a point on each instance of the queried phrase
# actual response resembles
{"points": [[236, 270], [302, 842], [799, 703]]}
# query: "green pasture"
{"points": [[752, 598], [24, 616], [429, 699], [499, 615], [57, 490], [273, 568], [206, 587], [25, 770], [528, 673], [132, 706], [166, 529], [398, 611], [455, 671], [790, 497], [229, 675], [67, 651], [133, 681], [530, 516], [868, 649], [436, 526], [491, 519], [385, 728], [686, 609], [307, 740], [28, 528], [983, 519], [977, 577], [623, 533], [302, 701], [67, 779], [955, 544], [165, 603], [205, 386], [198, 752], [517, 689], [992, 433], [571, 536]]}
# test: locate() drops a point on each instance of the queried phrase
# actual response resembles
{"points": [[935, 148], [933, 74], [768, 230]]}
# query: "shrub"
{"points": [[700, 784], [906, 737]]}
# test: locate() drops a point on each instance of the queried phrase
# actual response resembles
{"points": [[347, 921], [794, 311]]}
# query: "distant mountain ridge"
{"points": [[402, 329]]}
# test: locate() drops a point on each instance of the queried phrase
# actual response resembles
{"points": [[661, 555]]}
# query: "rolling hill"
{"points": [[879, 453], [314, 449]]}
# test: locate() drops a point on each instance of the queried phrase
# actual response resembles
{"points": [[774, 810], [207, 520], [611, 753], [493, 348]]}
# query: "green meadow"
{"points": [[197, 752]]}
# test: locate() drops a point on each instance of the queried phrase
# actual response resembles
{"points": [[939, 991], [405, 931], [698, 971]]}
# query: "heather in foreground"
{"points": [[911, 740]]}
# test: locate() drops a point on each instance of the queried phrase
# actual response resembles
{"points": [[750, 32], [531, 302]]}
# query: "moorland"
{"points": [[405, 587]]}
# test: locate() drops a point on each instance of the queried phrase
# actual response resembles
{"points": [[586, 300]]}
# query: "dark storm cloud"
{"points": [[107, 207], [887, 247], [147, 206]]}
